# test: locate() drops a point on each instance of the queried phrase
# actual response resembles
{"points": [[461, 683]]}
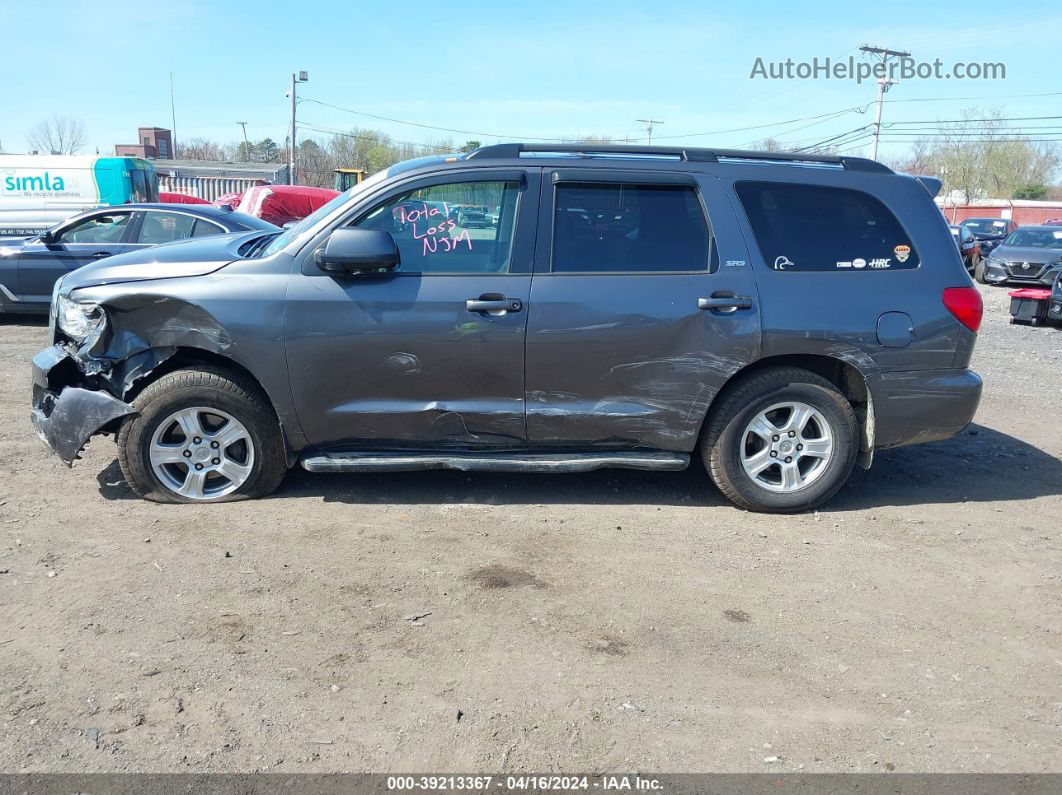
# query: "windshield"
{"points": [[302, 227], [1035, 238], [986, 226]]}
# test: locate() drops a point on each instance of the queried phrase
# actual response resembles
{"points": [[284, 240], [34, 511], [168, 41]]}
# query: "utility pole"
{"points": [[173, 120], [301, 77], [246, 143], [884, 83], [649, 126]]}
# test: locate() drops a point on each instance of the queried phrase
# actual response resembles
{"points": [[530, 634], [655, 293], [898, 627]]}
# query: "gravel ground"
{"points": [[615, 620]]}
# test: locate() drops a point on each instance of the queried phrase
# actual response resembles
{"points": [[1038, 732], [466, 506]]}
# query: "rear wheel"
{"points": [[781, 440], [201, 435]]}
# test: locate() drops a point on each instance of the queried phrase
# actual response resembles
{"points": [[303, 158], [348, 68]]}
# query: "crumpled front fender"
{"points": [[64, 415]]}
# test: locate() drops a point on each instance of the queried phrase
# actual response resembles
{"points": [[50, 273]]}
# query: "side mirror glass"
{"points": [[48, 237], [350, 250]]}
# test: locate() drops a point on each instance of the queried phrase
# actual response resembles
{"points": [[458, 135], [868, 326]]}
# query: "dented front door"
{"points": [[432, 354], [643, 304]]}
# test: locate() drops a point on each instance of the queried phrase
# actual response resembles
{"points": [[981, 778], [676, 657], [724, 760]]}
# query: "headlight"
{"points": [[75, 319]]}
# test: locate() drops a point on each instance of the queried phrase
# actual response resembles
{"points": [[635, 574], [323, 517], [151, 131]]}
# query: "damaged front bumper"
{"points": [[65, 412]]}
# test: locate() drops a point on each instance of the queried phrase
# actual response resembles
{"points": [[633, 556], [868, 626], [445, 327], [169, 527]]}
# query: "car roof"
{"points": [[230, 219], [206, 210], [630, 155]]}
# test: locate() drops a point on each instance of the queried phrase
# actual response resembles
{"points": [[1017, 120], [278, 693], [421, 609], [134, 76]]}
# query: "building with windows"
{"points": [[152, 143]]}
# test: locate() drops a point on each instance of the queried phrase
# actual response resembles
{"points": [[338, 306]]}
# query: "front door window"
{"points": [[99, 229], [463, 227]]}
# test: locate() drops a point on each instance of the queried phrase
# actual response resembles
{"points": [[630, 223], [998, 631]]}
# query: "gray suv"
{"points": [[780, 316]]}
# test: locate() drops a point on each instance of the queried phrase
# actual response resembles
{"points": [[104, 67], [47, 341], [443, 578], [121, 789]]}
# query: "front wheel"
{"points": [[979, 272], [201, 435], [782, 440]]}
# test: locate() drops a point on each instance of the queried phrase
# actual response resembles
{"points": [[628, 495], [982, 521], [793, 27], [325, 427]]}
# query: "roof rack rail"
{"points": [[688, 154]]}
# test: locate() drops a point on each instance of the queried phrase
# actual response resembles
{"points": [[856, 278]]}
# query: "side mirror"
{"points": [[48, 237], [351, 250]]}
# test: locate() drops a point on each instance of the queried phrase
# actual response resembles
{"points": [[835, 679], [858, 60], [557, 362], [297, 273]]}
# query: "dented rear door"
{"points": [[642, 305]]}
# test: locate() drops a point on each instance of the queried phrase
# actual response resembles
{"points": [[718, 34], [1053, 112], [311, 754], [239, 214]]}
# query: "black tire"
{"points": [[722, 440], [979, 272], [201, 386]]}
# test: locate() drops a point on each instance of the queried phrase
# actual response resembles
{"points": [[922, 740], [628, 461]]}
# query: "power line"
{"points": [[431, 126], [815, 118], [832, 114], [957, 99], [833, 139], [348, 134]]}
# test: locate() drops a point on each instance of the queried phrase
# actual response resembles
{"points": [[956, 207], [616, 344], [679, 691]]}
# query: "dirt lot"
{"points": [[611, 621]]}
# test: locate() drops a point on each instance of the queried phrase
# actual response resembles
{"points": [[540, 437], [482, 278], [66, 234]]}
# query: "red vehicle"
{"points": [[181, 198], [282, 204], [230, 200]]}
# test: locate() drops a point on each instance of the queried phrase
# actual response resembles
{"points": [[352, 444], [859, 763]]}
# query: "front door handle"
{"points": [[100, 254], [725, 302], [494, 304]]}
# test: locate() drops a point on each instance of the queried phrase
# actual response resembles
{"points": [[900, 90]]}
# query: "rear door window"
{"points": [[162, 227], [818, 228], [623, 228], [204, 228]]}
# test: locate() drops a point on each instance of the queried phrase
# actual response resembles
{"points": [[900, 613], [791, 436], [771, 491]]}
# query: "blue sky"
{"points": [[517, 70]]}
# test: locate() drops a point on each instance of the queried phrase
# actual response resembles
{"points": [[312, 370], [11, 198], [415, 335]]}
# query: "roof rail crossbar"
{"points": [[688, 154]]}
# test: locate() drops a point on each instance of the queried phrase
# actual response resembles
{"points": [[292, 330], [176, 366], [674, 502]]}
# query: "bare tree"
{"points": [[917, 161], [767, 145], [59, 135], [980, 157], [316, 164], [202, 149]]}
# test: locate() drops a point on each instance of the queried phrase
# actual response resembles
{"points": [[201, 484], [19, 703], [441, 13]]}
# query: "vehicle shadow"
{"points": [[979, 465], [23, 320]]}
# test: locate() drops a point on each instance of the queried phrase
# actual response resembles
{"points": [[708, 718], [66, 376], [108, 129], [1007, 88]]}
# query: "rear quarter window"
{"points": [[820, 228]]}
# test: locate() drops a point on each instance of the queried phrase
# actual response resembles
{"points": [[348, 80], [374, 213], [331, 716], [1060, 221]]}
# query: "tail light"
{"points": [[965, 303]]}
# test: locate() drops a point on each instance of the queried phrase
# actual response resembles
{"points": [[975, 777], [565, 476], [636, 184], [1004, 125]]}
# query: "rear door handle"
{"points": [[721, 302], [501, 304]]}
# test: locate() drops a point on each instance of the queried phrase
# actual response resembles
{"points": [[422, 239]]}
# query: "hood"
{"points": [[11, 246], [1027, 254], [194, 257]]}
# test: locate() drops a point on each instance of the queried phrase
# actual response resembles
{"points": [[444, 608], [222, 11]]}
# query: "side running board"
{"points": [[493, 462]]}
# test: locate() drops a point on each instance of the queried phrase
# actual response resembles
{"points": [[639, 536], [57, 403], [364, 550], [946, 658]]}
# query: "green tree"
{"points": [[1035, 191], [471, 146], [267, 151]]}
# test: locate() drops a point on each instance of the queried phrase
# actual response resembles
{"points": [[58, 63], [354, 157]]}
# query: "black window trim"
{"points": [[755, 247], [647, 178]]}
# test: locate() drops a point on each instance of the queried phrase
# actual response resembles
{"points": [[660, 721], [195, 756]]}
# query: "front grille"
{"points": [[1026, 270]]}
